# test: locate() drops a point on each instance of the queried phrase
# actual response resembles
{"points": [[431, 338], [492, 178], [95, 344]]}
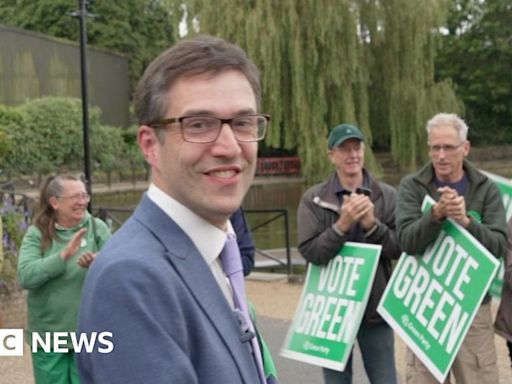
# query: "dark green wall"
{"points": [[34, 65]]}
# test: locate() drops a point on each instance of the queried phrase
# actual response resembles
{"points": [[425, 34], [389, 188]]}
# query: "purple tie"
{"points": [[232, 265]]}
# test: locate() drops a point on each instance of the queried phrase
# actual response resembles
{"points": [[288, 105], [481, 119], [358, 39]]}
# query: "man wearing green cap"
{"points": [[352, 206]]}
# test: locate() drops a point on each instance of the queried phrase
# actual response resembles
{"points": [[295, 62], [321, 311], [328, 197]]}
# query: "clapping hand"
{"points": [[356, 208], [86, 259], [73, 244], [451, 205]]}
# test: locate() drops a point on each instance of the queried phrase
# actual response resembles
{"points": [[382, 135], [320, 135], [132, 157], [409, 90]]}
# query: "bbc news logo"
{"points": [[11, 342]]}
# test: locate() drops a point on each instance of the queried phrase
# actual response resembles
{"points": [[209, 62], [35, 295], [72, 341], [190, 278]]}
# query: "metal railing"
{"points": [[109, 217], [272, 166], [20, 200], [112, 217], [115, 217], [279, 213]]}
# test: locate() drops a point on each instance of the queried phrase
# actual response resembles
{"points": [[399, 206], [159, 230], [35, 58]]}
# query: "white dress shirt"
{"points": [[207, 238]]}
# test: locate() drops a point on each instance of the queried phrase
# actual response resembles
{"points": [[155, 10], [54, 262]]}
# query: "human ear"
{"points": [[148, 144], [54, 202]]}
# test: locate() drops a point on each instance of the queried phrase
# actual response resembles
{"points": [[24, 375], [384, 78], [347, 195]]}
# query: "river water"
{"points": [[282, 195]]}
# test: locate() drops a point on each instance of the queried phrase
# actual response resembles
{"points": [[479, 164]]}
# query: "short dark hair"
{"points": [[189, 57]]}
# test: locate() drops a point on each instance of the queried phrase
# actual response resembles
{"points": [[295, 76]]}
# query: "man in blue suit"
{"points": [[158, 285]]}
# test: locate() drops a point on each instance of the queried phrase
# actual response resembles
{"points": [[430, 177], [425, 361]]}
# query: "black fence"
{"points": [[282, 215], [23, 202], [114, 217]]}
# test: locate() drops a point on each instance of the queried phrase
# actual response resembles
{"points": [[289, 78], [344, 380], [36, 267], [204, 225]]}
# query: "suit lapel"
{"points": [[196, 275]]}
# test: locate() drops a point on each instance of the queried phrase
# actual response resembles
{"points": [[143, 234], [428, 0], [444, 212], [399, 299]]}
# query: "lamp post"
{"points": [[81, 14]]}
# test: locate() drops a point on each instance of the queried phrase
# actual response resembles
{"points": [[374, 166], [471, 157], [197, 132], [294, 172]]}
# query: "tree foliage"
{"points": [[50, 130], [402, 38], [7, 116], [325, 62], [133, 159], [51, 135], [376, 64], [139, 29], [309, 57], [108, 147], [477, 55]]}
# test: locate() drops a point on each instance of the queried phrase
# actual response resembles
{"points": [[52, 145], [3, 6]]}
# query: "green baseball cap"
{"points": [[342, 133]]}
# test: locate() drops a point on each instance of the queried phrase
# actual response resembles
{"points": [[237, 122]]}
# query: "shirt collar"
{"points": [[82, 223], [207, 238], [338, 188]]}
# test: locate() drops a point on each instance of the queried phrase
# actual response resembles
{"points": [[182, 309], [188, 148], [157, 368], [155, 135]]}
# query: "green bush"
{"points": [[133, 158], [107, 148], [51, 135], [51, 131], [9, 117]]}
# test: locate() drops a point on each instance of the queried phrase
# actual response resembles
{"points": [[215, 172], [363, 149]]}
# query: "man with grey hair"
{"points": [[468, 197]]}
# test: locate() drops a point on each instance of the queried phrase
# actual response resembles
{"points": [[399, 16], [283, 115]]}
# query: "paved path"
{"points": [[292, 371], [267, 258]]}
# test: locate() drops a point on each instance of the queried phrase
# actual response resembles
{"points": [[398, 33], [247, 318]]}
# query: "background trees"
{"points": [[309, 55], [45, 135], [139, 29], [400, 39], [386, 66], [369, 63], [477, 55]]}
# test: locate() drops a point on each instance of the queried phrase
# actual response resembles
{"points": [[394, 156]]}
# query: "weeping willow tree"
{"points": [[326, 62], [310, 58], [401, 41]]}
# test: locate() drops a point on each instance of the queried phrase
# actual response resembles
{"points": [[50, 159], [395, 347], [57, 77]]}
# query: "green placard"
{"points": [[497, 283], [431, 300], [331, 308], [505, 187]]}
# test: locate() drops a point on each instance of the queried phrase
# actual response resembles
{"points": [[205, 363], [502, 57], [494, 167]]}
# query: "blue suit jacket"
{"points": [[152, 289]]}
